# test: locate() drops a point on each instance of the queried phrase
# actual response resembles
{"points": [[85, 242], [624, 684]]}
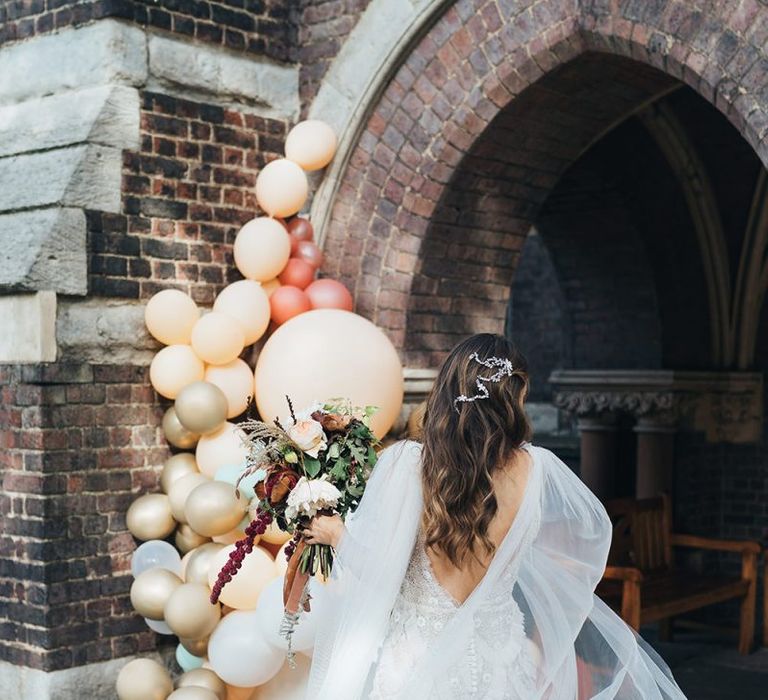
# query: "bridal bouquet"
{"points": [[315, 462]]}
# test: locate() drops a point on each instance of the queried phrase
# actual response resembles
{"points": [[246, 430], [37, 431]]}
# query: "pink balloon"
{"points": [[297, 273], [287, 302], [329, 294], [307, 250]]}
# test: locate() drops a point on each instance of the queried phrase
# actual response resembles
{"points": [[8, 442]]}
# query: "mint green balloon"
{"points": [[230, 473], [187, 661]]}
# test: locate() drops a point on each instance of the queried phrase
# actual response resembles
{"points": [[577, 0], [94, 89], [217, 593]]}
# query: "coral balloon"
{"points": [[150, 592], [200, 562], [300, 230], [187, 539], [213, 508], [204, 678], [235, 380], [311, 144], [247, 302], [149, 517], [176, 433], [170, 315], [143, 679], [202, 407], [288, 684], [281, 188], [190, 613], [327, 353], [310, 253], [242, 592], [270, 286], [175, 467], [179, 491], [194, 692], [288, 302], [239, 654], [217, 339], [262, 247], [173, 368], [219, 449], [154, 554], [297, 273], [329, 294]]}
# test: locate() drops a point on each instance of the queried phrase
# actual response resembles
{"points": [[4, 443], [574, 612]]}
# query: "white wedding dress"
{"points": [[532, 629]]}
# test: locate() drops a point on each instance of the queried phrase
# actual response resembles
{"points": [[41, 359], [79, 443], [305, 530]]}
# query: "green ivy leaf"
{"points": [[311, 466]]}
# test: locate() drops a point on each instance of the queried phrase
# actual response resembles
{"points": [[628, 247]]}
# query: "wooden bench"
{"points": [[642, 583]]}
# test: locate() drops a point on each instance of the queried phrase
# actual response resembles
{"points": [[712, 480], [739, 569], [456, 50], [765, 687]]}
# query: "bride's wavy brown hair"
{"points": [[465, 444]]}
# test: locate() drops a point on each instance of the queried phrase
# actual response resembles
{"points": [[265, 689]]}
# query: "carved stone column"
{"points": [[599, 453], [655, 455]]}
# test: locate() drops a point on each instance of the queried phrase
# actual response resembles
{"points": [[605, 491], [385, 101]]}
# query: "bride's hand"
{"points": [[324, 529]]}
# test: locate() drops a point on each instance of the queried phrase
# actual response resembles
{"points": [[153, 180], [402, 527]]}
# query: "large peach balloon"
{"points": [[170, 315], [235, 381], [287, 302], [329, 294], [262, 247], [242, 592], [175, 467], [217, 338], [179, 491], [329, 353], [190, 613], [281, 188], [213, 508], [297, 273], [143, 679], [311, 144], [173, 368], [219, 449], [246, 301], [149, 517]]}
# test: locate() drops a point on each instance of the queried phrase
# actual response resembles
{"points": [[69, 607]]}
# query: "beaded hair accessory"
{"points": [[503, 369]]}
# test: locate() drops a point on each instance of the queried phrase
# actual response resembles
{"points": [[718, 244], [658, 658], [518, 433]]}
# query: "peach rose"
{"points": [[309, 436]]}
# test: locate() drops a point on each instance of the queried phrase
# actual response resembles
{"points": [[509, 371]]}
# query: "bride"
{"points": [[469, 568]]}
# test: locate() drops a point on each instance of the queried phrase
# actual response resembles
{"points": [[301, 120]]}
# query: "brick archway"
{"points": [[474, 66]]}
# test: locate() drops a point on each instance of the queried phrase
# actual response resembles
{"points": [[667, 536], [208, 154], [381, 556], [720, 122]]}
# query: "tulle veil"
{"points": [[558, 543]]}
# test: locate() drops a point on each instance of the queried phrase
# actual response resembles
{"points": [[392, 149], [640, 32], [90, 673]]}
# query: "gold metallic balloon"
{"points": [[202, 407], [199, 562], [191, 692], [213, 508], [203, 678], [180, 489], [176, 433], [196, 647], [187, 539], [149, 517], [190, 613], [143, 679], [150, 591], [175, 467]]}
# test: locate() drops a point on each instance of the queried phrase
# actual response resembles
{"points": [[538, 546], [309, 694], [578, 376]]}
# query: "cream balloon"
{"points": [[247, 302], [327, 353], [281, 188], [175, 467], [187, 539], [176, 433], [170, 315], [179, 492], [213, 508], [219, 449], [150, 592], [242, 592], [192, 692], [149, 517], [173, 368], [202, 407], [281, 562], [269, 614], [204, 678], [190, 613], [270, 286], [235, 381], [262, 247], [143, 679], [274, 535], [200, 562], [311, 144], [217, 338], [288, 684]]}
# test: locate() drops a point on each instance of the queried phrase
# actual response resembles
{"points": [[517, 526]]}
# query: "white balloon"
{"points": [[238, 652], [158, 626], [288, 684], [153, 554], [269, 615]]}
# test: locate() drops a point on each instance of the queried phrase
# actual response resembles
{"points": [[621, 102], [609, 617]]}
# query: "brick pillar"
{"points": [[655, 456], [599, 453]]}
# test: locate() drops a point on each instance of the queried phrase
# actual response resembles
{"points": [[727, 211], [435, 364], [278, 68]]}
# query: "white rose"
{"points": [[309, 436], [309, 497]]}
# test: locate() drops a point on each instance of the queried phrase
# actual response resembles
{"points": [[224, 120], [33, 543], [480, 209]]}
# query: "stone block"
{"points": [[29, 327]]}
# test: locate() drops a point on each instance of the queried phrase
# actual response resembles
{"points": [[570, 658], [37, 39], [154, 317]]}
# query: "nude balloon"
{"points": [[247, 302], [329, 294], [175, 467], [150, 592], [235, 380], [143, 679], [149, 517], [170, 315], [204, 678], [281, 188], [288, 302], [261, 249], [200, 562], [190, 613], [311, 143], [217, 338], [186, 539], [219, 449], [179, 491], [297, 273], [310, 253], [176, 433], [213, 508], [173, 368], [326, 353]]}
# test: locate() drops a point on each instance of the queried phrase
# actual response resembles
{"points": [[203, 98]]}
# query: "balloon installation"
{"points": [[279, 330]]}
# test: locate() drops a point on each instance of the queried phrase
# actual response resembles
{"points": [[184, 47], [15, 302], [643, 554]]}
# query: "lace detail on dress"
{"points": [[498, 663]]}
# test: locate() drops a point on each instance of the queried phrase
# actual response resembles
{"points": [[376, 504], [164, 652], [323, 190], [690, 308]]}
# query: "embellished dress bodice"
{"points": [[498, 663]]}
